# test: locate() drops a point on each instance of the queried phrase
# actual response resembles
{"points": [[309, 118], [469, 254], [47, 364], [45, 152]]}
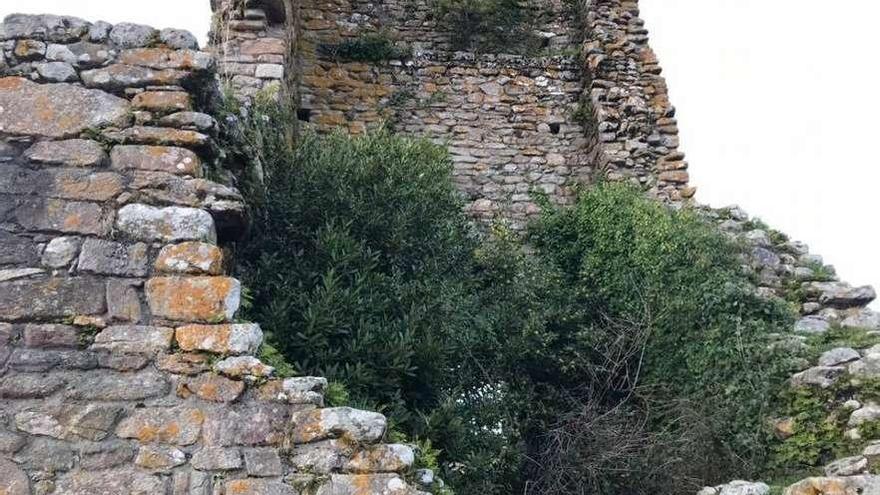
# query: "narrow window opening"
{"points": [[554, 128], [304, 114]]}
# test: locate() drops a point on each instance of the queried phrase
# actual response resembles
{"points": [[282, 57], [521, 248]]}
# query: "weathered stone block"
{"points": [[175, 426], [83, 185], [353, 484], [163, 58], [60, 29], [60, 252], [159, 459], [188, 363], [13, 481], [65, 184], [259, 487], [269, 71], [262, 462], [159, 136], [69, 421], [110, 385], [56, 110], [171, 224], [28, 50], [242, 367], [134, 339], [841, 295], [51, 336], [204, 299], [178, 39], [162, 101], [50, 298], [190, 257], [18, 273], [16, 250], [40, 360], [71, 153], [10, 442], [129, 35], [113, 258], [57, 72], [120, 76], [247, 424], [57, 215], [123, 301], [264, 46], [29, 386], [217, 459], [304, 390], [90, 55], [236, 339], [393, 458], [211, 387], [105, 455], [178, 161], [190, 120], [123, 362], [336, 422], [323, 457], [118, 481]]}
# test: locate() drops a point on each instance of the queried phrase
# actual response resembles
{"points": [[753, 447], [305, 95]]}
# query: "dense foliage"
{"points": [[359, 267], [621, 351]]}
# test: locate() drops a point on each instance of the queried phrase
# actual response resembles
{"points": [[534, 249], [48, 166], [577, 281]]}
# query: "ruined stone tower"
{"points": [[123, 368]]}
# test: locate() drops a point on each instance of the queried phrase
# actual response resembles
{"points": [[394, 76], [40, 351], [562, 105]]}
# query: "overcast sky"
{"points": [[776, 98], [777, 109]]}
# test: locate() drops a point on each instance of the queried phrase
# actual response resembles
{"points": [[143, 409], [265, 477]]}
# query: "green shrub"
{"points": [[359, 264], [622, 351], [630, 259]]}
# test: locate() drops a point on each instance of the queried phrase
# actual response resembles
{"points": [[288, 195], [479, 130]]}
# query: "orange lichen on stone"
{"points": [[162, 101], [242, 338], [207, 299], [190, 257]]}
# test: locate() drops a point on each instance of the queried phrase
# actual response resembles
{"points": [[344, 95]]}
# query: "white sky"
{"points": [[776, 99], [778, 107]]}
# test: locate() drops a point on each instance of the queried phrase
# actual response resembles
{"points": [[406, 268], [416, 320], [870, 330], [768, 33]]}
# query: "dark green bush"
{"points": [[622, 352], [631, 261], [359, 265]]}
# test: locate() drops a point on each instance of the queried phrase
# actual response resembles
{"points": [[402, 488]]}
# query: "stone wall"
{"points": [[250, 46], [634, 119], [123, 368], [591, 101]]}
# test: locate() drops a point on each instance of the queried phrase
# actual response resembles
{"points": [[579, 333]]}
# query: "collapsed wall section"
{"points": [[123, 368]]}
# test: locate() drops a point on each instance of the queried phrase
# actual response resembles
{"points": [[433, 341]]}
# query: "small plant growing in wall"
{"points": [[492, 26], [372, 47]]}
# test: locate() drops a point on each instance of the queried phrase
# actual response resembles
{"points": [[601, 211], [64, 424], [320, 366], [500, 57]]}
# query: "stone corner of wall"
{"points": [[122, 366]]}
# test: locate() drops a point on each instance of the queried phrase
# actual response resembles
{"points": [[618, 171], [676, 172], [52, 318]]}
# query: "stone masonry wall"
{"points": [[634, 119], [514, 125], [123, 369], [250, 48]]}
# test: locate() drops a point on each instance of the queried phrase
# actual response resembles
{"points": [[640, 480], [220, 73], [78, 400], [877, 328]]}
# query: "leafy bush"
{"points": [[619, 350], [360, 265], [632, 261]]}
